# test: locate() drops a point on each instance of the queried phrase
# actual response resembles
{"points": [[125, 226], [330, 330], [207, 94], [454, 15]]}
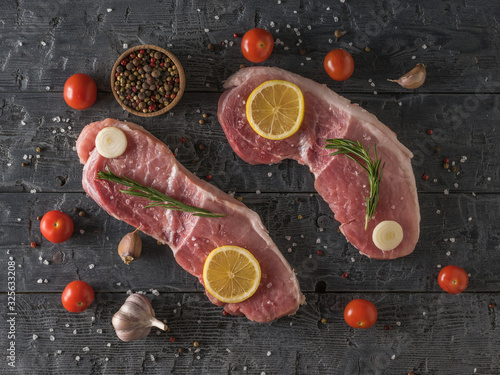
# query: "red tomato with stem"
{"points": [[360, 313], [453, 279], [257, 45], [339, 64], [56, 226], [77, 296], [80, 91]]}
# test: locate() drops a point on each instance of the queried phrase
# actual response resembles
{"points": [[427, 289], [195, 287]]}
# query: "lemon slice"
{"points": [[231, 274], [111, 142], [275, 109], [387, 235]]}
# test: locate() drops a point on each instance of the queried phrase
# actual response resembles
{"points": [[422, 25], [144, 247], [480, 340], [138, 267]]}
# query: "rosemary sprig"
{"points": [[355, 151], [159, 199]]}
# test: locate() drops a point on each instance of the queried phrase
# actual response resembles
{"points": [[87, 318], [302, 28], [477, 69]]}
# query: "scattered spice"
{"points": [[388, 327], [196, 344], [39, 218], [181, 350], [345, 275], [205, 115], [201, 147], [303, 52], [446, 165], [453, 169], [242, 66], [237, 35], [209, 176], [437, 149], [430, 132], [299, 217], [367, 49], [425, 177], [172, 339], [319, 252], [147, 80], [38, 149], [446, 160], [491, 305], [210, 46], [81, 213], [183, 140], [201, 122], [23, 164], [33, 244]]}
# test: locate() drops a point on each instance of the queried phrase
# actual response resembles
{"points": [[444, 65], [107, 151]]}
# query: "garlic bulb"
{"points": [[130, 246], [135, 318], [413, 79]]}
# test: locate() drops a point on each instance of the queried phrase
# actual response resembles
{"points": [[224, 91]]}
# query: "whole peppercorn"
{"points": [[201, 122], [425, 177], [33, 244], [205, 115], [446, 165], [430, 132], [210, 46], [196, 344]]}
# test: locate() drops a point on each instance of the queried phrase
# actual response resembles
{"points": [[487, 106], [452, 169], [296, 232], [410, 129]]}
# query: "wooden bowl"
{"points": [[175, 61]]}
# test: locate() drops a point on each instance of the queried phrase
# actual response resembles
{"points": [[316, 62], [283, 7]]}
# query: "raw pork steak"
{"points": [[341, 182], [191, 238]]}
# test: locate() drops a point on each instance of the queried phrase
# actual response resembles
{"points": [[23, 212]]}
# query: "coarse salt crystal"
{"points": [[155, 292], [125, 45], [448, 253], [98, 330], [413, 57], [353, 260], [393, 356], [318, 240], [289, 249], [228, 350], [446, 192], [77, 358], [438, 211], [35, 337], [207, 30], [46, 262], [288, 238], [424, 46], [33, 191], [67, 325], [271, 24], [74, 332], [109, 10], [52, 338], [59, 351], [469, 219], [452, 239], [91, 266], [86, 349], [39, 281], [269, 353], [108, 344]]}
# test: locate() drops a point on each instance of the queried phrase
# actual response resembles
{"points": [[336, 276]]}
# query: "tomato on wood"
{"points": [[80, 91], [339, 64], [77, 296], [257, 45], [453, 279], [56, 226], [360, 313]]}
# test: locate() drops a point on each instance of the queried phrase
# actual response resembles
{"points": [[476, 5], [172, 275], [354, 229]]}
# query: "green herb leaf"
{"points": [[355, 151], [160, 199]]}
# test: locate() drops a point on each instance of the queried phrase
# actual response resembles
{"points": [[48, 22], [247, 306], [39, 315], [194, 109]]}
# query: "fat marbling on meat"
{"points": [[341, 182], [191, 238]]}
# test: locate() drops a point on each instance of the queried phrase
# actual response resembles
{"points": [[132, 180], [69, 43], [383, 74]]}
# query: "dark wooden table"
{"points": [[420, 328]]}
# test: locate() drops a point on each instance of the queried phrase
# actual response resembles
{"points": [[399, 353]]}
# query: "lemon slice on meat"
{"points": [[275, 109], [231, 274]]}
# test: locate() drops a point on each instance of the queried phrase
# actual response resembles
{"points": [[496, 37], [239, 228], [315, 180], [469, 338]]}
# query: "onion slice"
{"points": [[111, 142], [387, 235]]}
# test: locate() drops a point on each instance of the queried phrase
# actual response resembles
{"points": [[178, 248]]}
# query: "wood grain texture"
{"points": [[468, 140], [420, 328], [45, 42], [419, 332]]}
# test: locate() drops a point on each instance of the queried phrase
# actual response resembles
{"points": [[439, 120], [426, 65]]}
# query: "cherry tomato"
{"points": [[80, 91], [257, 45], [339, 64], [77, 296], [360, 313], [56, 226], [453, 279]]}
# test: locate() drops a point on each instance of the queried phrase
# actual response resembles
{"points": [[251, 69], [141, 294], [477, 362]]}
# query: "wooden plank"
{"points": [[426, 333], [45, 42], [468, 138], [456, 229]]}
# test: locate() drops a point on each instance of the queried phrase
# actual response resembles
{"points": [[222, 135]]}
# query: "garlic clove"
{"points": [[135, 318], [130, 247], [413, 79]]}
